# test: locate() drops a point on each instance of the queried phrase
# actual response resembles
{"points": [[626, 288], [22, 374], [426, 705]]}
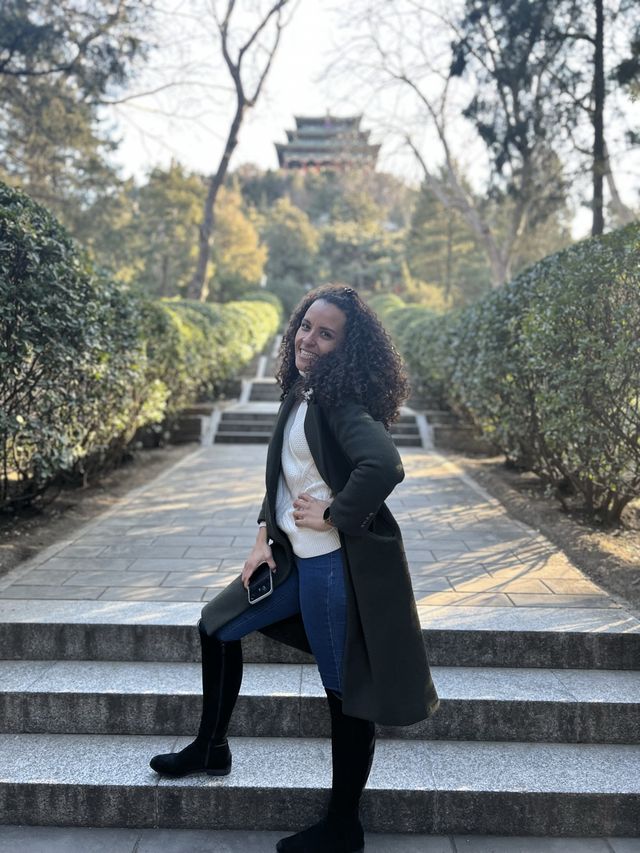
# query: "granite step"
{"points": [[565, 638], [546, 637], [261, 391], [407, 440], [229, 425], [240, 416], [242, 437], [288, 700], [445, 787]]}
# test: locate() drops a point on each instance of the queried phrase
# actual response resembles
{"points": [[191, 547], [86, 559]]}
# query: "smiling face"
{"points": [[321, 331]]}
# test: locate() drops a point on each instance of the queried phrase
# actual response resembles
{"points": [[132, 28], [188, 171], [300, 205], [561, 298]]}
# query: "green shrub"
{"points": [[84, 364], [548, 367], [263, 295], [72, 385]]}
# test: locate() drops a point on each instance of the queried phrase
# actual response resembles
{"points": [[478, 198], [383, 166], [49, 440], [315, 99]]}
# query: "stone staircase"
{"points": [[537, 733], [252, 422]]}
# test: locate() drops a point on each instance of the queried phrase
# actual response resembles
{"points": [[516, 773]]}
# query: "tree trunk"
{"points": [[599, 157], [198, 287], [623, 214]]}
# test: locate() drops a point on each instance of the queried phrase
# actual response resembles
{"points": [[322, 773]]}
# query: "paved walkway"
{"points": [[62, 840], [185, 535]]}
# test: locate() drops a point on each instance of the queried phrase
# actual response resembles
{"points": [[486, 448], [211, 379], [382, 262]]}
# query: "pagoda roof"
{"points": [[327, 140], [328, 120]]}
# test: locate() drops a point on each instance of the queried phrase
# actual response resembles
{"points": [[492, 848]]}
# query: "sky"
{"points": [[292, 88]]}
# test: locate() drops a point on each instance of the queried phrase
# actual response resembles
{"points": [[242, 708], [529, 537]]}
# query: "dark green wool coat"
{"points": [[386, 675]]}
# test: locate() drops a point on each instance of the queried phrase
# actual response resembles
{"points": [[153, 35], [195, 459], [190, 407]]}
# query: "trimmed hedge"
{"points": [[84, 364], [548, 367]]}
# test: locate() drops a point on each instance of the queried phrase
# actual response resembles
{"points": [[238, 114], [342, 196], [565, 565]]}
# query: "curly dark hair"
{"points": [[365, 367]]}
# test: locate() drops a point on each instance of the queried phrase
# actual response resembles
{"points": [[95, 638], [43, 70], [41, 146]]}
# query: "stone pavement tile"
{"points": [[107, 539], [497, 525], [220, 553], [472, 599], [244, 543], [505, 559], [522, 570], [568, 586], [214, 589], [46, 576], [64, 839], [52, 592], [555, 600], [513, 844], [192, 579], [170, 539], [80, 550], [431, 583], [449, 568], [433, 539], [445, 553], [230, 529], [236, 565], [498, 549], [153, 530], [625, 845], [135, 550], [103, 564], [137, 593], [205, 841], [158, 564], [496, 585], [614, 622], [116, 579], [411, 533], [539, 558]]}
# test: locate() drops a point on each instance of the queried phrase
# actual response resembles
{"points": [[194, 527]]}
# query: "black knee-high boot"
{"points": [[221, 679], [352, 747]]}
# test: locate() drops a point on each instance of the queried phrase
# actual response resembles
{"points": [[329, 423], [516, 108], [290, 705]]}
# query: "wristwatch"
{"points": [[326, 515]]}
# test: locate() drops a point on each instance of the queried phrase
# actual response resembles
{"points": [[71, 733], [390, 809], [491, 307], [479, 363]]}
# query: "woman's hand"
{"points": [[308, 511], [260, 553]]}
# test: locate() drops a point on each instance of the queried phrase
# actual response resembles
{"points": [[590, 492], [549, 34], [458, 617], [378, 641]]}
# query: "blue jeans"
{"points": [[316, 590]]}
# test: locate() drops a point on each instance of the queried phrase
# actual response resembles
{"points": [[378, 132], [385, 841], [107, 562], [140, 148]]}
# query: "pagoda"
{"points": [[328, 142]]}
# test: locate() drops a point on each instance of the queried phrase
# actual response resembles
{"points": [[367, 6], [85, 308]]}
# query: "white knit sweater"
{"points": [[299, 474]]}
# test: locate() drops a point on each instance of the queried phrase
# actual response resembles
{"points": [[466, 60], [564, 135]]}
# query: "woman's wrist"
{"points": [[326, 515]]}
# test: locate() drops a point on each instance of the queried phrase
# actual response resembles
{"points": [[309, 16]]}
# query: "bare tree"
{"points": [[256, 49], [405, 49]]}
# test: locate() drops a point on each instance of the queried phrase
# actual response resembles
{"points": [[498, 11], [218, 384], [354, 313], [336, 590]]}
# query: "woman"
{"points": [[341, 584]]}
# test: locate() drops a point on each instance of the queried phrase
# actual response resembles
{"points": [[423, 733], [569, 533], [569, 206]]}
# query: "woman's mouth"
{"points": [[305, 355]]}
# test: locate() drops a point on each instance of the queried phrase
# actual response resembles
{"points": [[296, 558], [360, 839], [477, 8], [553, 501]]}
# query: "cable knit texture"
{"points": [[299, 474]]}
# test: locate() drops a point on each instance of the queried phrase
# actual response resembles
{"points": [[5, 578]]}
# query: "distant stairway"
{"points": [[253, 422]]}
